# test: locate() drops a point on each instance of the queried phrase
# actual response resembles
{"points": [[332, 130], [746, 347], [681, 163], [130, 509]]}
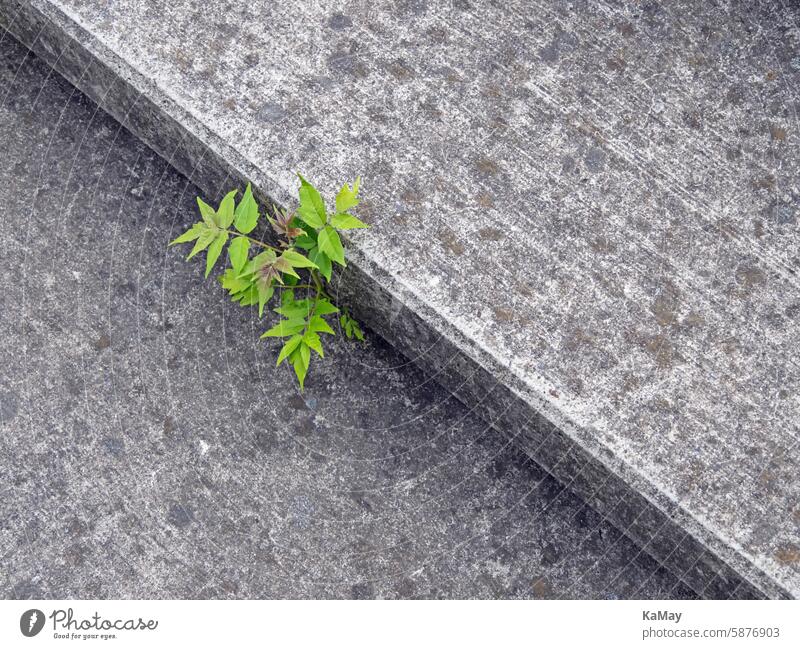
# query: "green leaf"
{"points": [[207, 212], [190, 235], [305, 354], [298, 309], [350, 327], [237, 252], [297, 260], [324, 307], [312, 340], [330, 243], [259, 261], [214, 251], [204, 241], [300, 369], [225, 210], [312, 207], [246, 215], [347, 222], [289, 347], [285, 328], [347, 198], [322, 261], [248, 296], [227, 277], [232, 283], [318, 324], [306, 241], [264, 294], [287, 271]]}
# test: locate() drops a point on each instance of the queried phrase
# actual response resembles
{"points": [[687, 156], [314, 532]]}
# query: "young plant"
{"points": [[293, 274]]}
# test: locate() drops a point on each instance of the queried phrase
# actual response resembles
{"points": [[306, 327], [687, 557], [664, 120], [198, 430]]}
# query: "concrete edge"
{"points": [[710, 565]]}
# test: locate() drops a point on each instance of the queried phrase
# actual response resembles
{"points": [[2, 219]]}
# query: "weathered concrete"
{"points": [[149, 447], [585, 219]]}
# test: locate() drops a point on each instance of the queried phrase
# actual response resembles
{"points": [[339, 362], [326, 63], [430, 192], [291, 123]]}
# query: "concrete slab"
{"points": [[149, 448], [585, 220]]}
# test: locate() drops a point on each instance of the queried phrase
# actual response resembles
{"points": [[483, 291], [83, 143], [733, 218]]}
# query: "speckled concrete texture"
{"points": [[149, 447], [593, 204]]}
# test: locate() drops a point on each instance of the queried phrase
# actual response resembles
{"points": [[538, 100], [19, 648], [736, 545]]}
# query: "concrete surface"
{"points": [[149, 447], [585, 220]]}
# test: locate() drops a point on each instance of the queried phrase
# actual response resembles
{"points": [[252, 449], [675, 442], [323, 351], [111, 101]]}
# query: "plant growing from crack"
{"points": [[296, 271]]}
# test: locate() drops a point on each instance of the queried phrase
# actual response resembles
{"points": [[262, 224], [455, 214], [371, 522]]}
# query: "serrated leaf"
{"points": [[289, 347], [214, 251], [297, 355], [237, 252], [347, 198], [345, 323], [248, 296], [260, 260], [190, 235], [305, 354], [207, 212], [225, 210], [319, 325], [298, 309], [312, 207], [204, 241], [228, 276], [347, 222], [264, 294], [350, 327], [305, 241], [322, 261], [231, 282], [288, 301], [285, 267], [300, 369], [297, 260], [324, 307], [285, 328], [330, 243], [246, 215], [313, 341]]}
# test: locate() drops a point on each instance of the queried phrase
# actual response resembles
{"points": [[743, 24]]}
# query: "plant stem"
{"points": [[317, 282]]}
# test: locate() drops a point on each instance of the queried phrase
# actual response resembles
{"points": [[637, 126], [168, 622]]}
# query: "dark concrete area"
{"points": [[149, 447]]}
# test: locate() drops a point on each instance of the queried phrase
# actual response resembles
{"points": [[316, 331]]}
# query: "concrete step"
{"points": [[584, 221], [149, 448]]}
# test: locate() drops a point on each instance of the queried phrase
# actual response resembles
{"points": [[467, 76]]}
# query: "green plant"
{"points": [[293, 273]]}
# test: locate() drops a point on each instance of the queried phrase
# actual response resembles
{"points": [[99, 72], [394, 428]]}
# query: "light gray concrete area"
{"points": [[149, 448], [585, 220]]}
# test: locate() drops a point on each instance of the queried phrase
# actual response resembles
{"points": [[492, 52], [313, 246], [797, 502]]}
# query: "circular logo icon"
{"points": [[31, 622]]}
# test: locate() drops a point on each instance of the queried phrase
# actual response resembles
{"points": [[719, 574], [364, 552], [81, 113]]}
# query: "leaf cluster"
{"points": [[293, 274]]}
